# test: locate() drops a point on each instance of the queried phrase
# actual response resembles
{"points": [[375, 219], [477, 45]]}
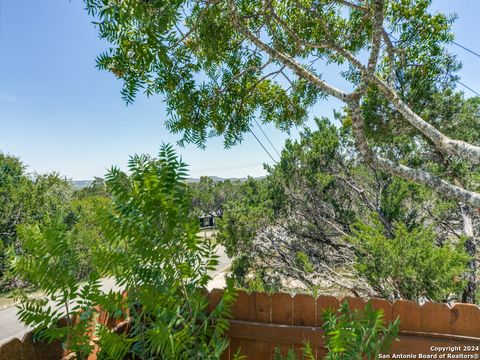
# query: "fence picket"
{"points": [[282, 308], [304, 312], [12, 349], [386, 307], [409, 313], [260, 307], [240, 308], [435, 317], [263, 322], [465, 320], [214, 298], [354, 303], [325, 302]]}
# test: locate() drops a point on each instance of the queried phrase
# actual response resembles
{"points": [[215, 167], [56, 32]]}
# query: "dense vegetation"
{"points": [[323, 221], [406, 151], [44, 200], [151, 248], [219, 64], [382, 199]]}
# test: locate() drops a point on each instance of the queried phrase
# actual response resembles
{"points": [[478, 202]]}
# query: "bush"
{"points": [[410, 265], [353, 334], [152, 251], [51, 259]]}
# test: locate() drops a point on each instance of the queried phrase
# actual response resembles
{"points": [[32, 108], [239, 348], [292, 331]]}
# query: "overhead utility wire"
{"points": [[471, 52], [467, 49], [263, 132], [469, 88], [264, 148]]}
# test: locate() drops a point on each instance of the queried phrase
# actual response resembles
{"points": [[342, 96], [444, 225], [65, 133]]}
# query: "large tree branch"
{"points": [[378, 14], [283, 58], [405, 172], [442, 142]]}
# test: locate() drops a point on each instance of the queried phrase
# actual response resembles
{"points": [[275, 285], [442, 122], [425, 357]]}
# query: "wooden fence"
{"points": [[262, 322], [29, 349]]}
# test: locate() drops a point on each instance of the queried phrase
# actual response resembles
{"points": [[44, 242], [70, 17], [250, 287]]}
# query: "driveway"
{"points": [[11, 327]]}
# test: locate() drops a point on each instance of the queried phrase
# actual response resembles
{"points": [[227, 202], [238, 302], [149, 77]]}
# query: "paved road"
{"points": [[11, 327]]}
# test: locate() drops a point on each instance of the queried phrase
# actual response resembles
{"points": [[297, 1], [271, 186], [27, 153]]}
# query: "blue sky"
{"points": [[59, 113]]}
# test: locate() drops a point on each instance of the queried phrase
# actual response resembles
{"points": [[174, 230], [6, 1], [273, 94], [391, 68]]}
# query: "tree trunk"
{"points": [[471, 248]]}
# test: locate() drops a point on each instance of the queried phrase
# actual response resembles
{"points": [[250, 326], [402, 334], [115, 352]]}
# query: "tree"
{"points": [[296, 226], [243, 217], [14, 186], [96, 188], [51, 258], [209, 196], [152, 251], [409, 265], [220, 63], [455, 116], [25, 199], [14, 189]]}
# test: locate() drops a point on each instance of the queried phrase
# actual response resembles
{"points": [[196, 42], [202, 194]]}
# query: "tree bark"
{"points": [[469, 294]]}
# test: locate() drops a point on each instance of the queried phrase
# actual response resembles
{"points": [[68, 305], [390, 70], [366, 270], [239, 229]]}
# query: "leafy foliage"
{"points": [[209, 196], [153, 252], [353, 334], [14, 189], [26, 199], [51, 259], [151, 249], [307, 353], [242, 218], [221, 64], [409, 265], [295, 228], [213, 80]]}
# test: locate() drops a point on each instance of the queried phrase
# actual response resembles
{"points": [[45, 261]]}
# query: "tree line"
{"points": [[44, 199]]}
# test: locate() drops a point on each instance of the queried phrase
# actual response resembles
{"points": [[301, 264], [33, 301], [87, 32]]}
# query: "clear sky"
{"points": [[59, 113]]}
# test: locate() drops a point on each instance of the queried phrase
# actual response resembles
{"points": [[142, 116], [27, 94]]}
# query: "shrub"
{"points": [[350, 335], [307, 354], [353, 334], [152, 251], [51, 259], [409, 265]]}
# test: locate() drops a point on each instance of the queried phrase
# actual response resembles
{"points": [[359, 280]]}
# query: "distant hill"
{"points": [[216, 178], [79, 184]]}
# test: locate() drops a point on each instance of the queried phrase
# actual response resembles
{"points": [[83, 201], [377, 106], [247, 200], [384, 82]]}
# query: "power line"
{"points": [[234, 167], [467, 49], [264, 148], [471, 52], [469, 88], [263, 132]]}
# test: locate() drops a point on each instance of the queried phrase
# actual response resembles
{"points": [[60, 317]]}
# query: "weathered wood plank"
{"points": [[282, 308], [409, 313], [304, 310]]}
